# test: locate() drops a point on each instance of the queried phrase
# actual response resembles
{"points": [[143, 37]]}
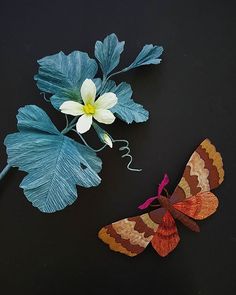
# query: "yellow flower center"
{"points": [[89, 109]]}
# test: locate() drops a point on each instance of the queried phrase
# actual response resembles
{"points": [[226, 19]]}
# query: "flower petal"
{"points": [[84, 123], [106, 101], [71, 107], [104, 116], [88, 91]]}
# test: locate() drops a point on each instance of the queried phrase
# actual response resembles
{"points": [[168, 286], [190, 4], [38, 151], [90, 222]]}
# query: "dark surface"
{"points": [[191, 95]]}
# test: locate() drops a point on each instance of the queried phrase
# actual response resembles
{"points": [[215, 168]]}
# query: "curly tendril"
{"points": [[126, 148]]}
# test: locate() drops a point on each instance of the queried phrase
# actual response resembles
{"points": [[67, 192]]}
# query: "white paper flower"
{"points": [[97, 109]]}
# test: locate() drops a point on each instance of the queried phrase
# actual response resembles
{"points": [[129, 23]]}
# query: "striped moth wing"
{"points": [[166, 237], [203, 172], [131, 236], [198, 207]]}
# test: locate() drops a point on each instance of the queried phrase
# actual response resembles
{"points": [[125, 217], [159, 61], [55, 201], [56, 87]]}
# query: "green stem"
{"points": [[116, 73], [84, 141], [4, 171], [70, 126], [105, 79]]}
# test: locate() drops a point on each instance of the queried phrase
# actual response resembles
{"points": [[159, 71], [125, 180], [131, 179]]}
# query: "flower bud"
{"points": [[103, 135]]}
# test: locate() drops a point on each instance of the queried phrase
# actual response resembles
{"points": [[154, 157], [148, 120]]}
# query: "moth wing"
{"points": [[166, 238], [203, 172], [130, 236], [199, 206]]}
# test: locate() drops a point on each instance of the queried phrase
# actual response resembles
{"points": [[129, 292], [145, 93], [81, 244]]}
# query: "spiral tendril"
{"points": [[127, 154], [125, 148]]}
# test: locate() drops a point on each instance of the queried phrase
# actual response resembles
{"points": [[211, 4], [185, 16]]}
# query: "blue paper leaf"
{"points": [[108, 53], [63, 75], [32, 117], [149, 55], [110, 86], [55, 163], [126, 109]]}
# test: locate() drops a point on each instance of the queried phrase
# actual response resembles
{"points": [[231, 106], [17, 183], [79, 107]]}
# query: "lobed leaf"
{"points": [[62, 75], [55, 163], [126, 109], [148, 55], [108, 53]]}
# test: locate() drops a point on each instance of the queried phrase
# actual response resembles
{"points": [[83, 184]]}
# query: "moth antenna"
{"points": [[167, 193]]}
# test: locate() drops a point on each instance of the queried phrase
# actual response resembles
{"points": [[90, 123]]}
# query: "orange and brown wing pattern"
{"points": [[199, 206], [166, 238], [204, 171], [131, 236]]}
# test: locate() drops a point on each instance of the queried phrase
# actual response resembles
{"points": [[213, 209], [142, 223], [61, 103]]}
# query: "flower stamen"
{"points": [[89, 109]]}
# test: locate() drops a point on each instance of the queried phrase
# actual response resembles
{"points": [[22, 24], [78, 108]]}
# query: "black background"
{"points": [[191, 95]]}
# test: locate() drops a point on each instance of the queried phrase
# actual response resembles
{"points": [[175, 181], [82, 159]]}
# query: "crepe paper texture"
{"points": [[55, 163], [191, 199]]}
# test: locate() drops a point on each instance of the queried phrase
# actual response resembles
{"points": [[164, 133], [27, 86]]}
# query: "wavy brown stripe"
{"points": [[213, 171], [192, 181], [113, 245], [142, 227], [125, 243]]}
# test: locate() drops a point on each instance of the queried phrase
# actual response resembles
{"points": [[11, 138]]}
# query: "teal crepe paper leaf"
{"points": [[148, 55], [55, 163], [62, 75], [58, 99], [126, 109], [110, 86], [31, 117], [108, 53]]}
